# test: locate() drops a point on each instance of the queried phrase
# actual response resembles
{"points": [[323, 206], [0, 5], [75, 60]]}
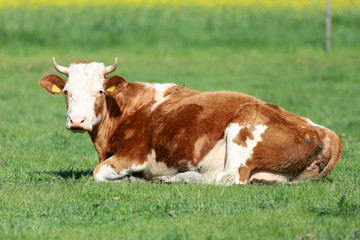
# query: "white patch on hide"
{"points": [[236, 155], [107, 173], [160, 89], [314, 124], [104, 171], [154, 168]]}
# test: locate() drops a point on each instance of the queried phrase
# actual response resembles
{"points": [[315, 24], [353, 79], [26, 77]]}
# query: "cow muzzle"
{"points": [[77, 123]]}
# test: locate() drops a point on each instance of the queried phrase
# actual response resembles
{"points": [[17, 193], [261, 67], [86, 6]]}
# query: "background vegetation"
{"points": [[273, 50]]}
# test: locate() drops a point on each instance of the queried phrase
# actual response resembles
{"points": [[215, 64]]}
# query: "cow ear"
{"points": [[53, 83], [114, 84]]}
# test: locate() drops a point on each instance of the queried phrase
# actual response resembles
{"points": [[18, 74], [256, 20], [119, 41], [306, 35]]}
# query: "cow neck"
{"points": [[118, 111]]}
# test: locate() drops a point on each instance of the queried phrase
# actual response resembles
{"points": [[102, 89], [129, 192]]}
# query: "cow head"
{"points": [[85, 91]]}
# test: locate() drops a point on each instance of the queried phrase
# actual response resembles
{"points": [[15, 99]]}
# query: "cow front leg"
{"points": [[114, 169], [185, 177]]}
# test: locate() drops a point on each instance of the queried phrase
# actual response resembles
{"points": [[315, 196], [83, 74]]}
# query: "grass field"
{"points": [[276, 54]]}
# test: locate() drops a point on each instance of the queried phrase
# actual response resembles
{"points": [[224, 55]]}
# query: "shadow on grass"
{"points": [[76, 174], [70, 174]]}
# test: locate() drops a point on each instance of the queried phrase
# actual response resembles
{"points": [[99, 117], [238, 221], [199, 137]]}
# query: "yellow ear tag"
{"points": [[111, 89], [55, 89]]}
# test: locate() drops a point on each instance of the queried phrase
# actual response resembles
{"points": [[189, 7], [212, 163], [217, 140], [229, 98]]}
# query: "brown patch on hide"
{"points": [[113, 109], [244, 134], [244, 174], [174, 135], [99, 104], [283, 149]]}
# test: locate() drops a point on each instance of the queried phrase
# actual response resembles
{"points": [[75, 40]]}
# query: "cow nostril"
{"points": [[77, 121]]}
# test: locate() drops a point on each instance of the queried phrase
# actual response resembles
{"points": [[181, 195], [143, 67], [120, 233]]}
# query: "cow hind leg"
{"points": [[241, 139], [271, 140], [321, 165], [325, 160]]}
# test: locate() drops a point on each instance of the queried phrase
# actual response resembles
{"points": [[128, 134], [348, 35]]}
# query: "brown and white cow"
{"points": [[175, 134]]}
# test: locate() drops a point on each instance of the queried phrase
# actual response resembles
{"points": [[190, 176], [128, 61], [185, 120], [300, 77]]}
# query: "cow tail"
{"points": [[336, 150]]}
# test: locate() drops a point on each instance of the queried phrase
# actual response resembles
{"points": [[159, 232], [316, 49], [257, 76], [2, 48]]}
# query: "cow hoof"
{"points": [[161, 179], [166, 179], [133, 179]]}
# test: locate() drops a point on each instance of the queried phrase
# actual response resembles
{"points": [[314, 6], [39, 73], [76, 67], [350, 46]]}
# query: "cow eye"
{"points": [[66, 92], [100, 92]]}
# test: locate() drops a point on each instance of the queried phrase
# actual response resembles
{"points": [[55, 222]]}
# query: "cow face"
{"points": [[85, 92], [83, 88]]}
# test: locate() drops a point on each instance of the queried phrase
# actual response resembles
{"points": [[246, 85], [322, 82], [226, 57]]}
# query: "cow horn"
{"points": [[60, 69], [111, 68]]}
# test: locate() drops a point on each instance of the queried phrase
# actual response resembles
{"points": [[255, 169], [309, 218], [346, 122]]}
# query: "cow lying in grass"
{"points": [[175, 134]]}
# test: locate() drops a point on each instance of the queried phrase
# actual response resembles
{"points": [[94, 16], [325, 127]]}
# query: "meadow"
{"points": [[269, 49]]}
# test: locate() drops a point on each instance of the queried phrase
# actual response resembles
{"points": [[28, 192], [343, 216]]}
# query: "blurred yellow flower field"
{"points": [[294, 4]]}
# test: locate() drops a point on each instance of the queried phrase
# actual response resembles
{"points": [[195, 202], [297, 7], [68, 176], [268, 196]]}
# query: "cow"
{"points": [[169, 133]]}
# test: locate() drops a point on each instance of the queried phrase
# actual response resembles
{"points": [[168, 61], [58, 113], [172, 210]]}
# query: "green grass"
{"points": [[163, 27], [46, 188]]}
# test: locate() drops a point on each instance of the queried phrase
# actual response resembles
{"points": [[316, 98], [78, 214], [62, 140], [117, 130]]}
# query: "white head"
{"points": [[85, 91]]}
